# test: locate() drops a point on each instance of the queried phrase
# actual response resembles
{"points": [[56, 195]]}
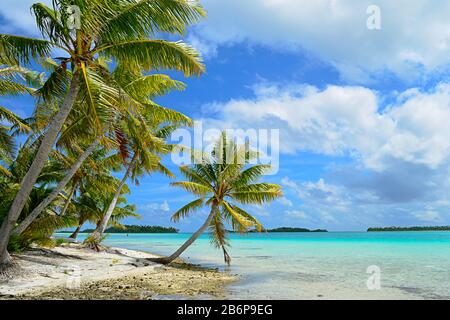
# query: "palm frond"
{"points": [[13, 119], [187, 209], [151, 86], [16, 49], [256, 197], [155, 54], [240, 223], [138, 18], [195, 188], [218, 236]]}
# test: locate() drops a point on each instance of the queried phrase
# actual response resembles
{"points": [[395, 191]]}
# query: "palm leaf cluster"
{"points": [[225, 181], [95, 116], [96, 127]]}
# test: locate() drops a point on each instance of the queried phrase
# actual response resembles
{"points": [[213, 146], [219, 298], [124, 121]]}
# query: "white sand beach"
{"points": [[73, 272]]}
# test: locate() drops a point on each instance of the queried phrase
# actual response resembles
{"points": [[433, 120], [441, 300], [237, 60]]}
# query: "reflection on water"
{"points": [[299, 265]]}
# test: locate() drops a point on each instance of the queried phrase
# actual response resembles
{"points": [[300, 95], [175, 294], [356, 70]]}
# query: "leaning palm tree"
{"points": [[142, 129], [118, 30], [221, 182], [91, 207], [142, 147]]}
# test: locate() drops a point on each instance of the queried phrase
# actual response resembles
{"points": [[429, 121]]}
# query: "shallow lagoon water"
{"points": [[319, 265]]}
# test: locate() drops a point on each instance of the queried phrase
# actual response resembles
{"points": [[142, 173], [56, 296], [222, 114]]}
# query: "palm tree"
{"points": [[41, 230], [56, 191], [7, 145], [142, 147], [14, 80], [94, 174], [220, 181], [143, 129], [91, 206], [113, 29], [49, 220]]}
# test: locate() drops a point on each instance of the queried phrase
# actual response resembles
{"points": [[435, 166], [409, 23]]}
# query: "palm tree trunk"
{"points": [[101, 227], [205, 225], [37, 211], [69, 199], [35, 169], [6, 265], [74, 235]]}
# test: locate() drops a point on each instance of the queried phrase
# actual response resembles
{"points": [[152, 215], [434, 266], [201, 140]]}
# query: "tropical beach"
{"points": [[224, 150], [267, 266], [73, 272]]}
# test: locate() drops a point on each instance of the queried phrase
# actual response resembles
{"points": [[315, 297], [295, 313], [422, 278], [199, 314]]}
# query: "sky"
{"points": [[360, 93]]}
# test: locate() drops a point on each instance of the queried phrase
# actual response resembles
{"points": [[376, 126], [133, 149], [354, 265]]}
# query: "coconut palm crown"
{"points": [[122, 31], [224, 181]]}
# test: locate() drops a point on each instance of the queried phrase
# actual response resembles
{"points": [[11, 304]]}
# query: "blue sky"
{"points": [[363, 114]]}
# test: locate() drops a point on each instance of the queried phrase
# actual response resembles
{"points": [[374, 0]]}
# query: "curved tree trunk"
{"points": [[6, 265], [5, 259], [176, 254], [35, 169], [69, 199], [101, 227], [74, 235], [52, 196]]}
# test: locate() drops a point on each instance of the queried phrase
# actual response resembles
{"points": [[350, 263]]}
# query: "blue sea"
{"points": [[333, 265]]}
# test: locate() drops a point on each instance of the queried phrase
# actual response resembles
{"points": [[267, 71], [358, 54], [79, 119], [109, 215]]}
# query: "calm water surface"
{"points": [[300, 265]]}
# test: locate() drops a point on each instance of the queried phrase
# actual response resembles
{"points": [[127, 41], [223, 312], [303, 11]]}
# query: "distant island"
{"points": [[289, 229], [137, 229], [437, 228]]}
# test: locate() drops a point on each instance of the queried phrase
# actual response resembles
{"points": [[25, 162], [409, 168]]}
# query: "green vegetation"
{"points": [[94, 114], [95, 128], [137, 229], [220, 182], [429, 228]]}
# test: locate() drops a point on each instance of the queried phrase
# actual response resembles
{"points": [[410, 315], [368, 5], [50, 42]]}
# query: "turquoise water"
{"points": [[319, 265]]}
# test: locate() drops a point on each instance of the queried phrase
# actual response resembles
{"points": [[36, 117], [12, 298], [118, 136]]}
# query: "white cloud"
{"points": [[285, 202], [207, 49], [296, 214], [414, 35], [414, 38], [343, 207], [399, 154], [19, 17], [321, 193], [258, 210], [154, 206], [428, 216], [346, 120]]}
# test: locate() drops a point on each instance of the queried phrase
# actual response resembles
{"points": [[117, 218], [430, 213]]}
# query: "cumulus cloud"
{"points": [[349, 120], [339, 206], [414, 36], [18, 17], [320, 193], [399, 153], [285, 202], [296, 214], [156, 207], [428, 216]]}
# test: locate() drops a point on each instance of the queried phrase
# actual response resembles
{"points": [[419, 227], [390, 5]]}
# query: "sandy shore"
{"points": [[73, 272]]}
